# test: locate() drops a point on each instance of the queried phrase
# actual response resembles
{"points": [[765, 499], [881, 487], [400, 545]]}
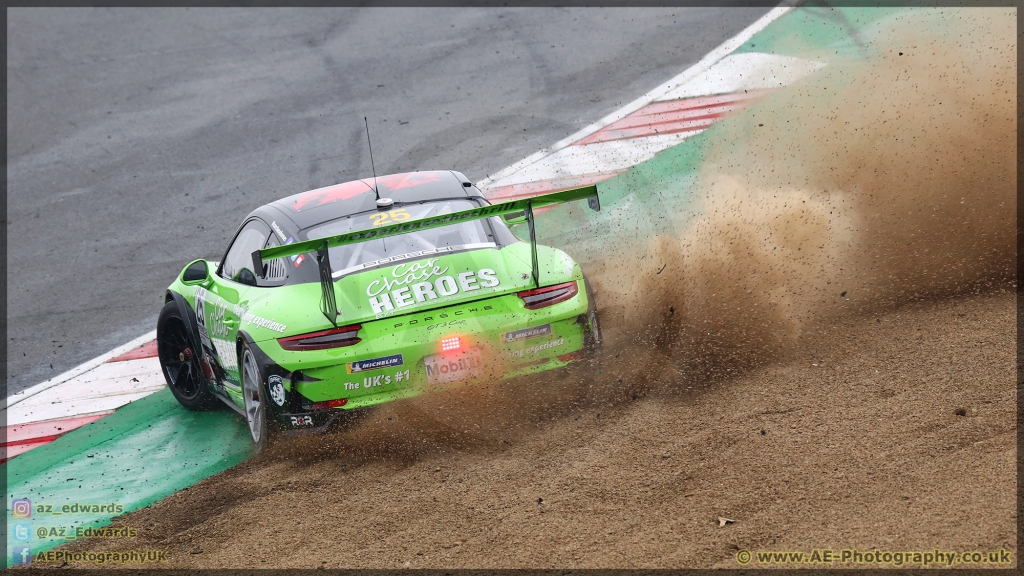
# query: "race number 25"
{"points": [[382, 218]]}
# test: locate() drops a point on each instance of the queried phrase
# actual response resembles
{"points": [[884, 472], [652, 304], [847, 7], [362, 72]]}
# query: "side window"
{"points": [[275, 271], [502, 234], [238, 261]]}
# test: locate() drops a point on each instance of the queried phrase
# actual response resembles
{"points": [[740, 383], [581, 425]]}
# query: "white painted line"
{"points": [[82, 407], [736, 75], [80, 369], [600, 157], [749, 71], [706, 62], [104, 388]]}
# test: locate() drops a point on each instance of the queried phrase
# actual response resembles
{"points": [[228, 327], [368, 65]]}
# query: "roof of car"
{"points": [[324, 204]]}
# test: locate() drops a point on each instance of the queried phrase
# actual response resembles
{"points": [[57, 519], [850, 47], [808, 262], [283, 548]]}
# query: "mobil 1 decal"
{"points": [[423, 281]]}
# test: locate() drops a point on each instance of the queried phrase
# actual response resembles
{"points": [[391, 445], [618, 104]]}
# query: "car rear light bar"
{"points": [[549, 295], [333, 338]]}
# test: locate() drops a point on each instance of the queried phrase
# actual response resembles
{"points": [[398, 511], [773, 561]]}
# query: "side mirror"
{"points": [[197, 272]]}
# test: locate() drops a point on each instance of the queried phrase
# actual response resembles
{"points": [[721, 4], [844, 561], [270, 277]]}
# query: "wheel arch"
{"points": [[268, 369], [188, 315], [176, 308], [240, 339]]}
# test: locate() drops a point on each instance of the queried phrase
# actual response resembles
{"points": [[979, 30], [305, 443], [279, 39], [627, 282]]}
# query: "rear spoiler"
{"points": [[513, 209]]}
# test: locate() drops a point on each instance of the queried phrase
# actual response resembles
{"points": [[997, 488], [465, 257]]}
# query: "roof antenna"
{"points": [[382, 203]]}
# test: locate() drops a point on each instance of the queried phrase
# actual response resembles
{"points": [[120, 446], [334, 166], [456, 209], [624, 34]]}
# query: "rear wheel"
{"points": [[180, 361], [255, 398]]}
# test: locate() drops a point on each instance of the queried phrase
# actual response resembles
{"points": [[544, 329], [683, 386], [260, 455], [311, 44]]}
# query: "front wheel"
{"points": [[255, 398], [179, 361]]}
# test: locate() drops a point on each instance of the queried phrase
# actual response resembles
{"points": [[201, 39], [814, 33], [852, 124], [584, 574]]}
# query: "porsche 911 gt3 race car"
{"points": [[370, 291]]}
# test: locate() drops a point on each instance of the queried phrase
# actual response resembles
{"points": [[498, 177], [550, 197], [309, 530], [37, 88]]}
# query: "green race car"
{"points": [[370, 291]]}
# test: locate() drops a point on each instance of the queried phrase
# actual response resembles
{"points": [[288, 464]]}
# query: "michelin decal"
{"points": [[525, 333], [374, 364]]}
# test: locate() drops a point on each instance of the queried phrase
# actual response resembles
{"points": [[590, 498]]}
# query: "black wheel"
{"points": [[180, 362], [254, 393]]}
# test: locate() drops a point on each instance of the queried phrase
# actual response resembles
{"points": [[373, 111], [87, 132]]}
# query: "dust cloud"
{"points": [[872, 183]]}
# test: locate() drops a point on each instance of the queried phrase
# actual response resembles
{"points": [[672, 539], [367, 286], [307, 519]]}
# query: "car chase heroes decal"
{"points": [[423, 281]]}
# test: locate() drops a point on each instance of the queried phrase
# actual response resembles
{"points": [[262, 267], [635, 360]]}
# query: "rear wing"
{"points": [[510, 210]]}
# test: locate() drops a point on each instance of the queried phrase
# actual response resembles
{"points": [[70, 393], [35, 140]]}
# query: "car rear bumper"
{"points": [[405, 356]]}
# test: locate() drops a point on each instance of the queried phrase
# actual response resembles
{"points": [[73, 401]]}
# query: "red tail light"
{"points": [[548, 295], [329, 404], [333, 338]]}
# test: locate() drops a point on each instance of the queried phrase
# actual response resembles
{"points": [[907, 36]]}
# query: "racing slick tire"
{"points": [[255, 397], [180, 363]]}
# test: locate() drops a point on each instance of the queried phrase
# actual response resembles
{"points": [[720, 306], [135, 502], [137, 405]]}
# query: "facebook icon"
{"points": [[21, 554]]}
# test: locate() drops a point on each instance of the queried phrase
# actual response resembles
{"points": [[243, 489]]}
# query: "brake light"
{"points": [[549, 295], [333, 338], [450, 343], [330, 404]]}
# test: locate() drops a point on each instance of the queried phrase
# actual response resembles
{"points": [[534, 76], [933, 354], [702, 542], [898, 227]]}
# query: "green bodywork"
{"points": [[404, 310], [479, 317]]}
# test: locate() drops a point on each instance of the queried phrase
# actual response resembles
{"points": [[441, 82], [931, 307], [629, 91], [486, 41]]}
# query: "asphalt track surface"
{"points": [[138, 139]]}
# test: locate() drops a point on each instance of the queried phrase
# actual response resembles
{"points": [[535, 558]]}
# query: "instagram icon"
{"points": [[21, 508]]}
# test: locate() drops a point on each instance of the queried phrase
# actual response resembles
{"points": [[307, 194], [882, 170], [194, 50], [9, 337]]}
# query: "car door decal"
{"points": [[211, 315]]}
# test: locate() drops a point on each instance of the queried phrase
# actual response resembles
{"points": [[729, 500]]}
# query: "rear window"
{"points": [[469, 235]]}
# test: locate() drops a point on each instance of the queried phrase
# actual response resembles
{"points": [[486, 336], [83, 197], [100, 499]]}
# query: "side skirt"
{"points": [[227, 400]]}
